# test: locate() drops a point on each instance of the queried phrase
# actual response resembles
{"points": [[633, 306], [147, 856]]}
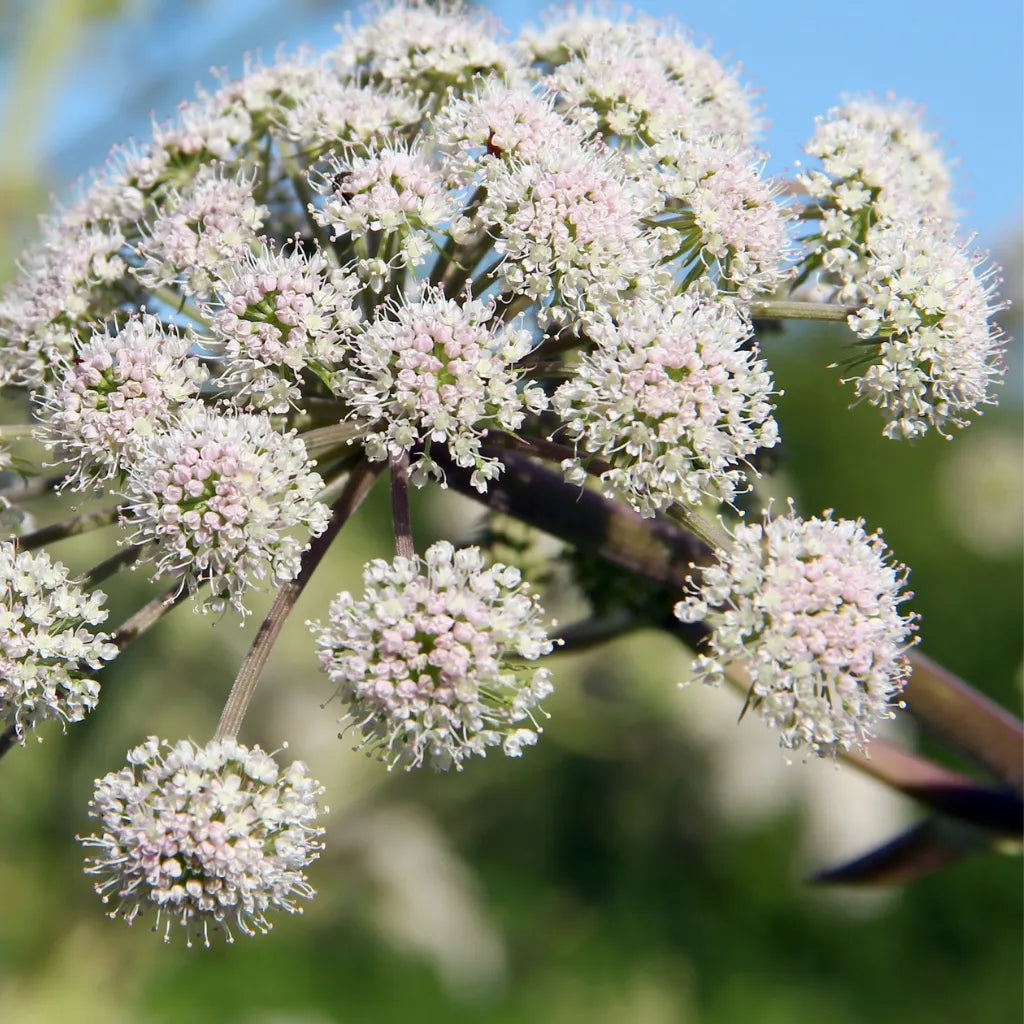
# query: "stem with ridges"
{"points": [[400, 515], [359, 485]]}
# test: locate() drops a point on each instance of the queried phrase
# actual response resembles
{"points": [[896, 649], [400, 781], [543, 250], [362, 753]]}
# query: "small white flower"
{"points": [[426, 49], [217, 498], [438, 371], [722, 218], [46, 646], [928, 312], [620, 67], [673, 399], [210, 838], [811, 609], [124, 384], [200, 230], [429, 660], [279, 313]]}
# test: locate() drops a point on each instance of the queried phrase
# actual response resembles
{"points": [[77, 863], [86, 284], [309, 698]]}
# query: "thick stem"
{"points": [[36, 487], [8, 738], [400, 515], [664, 553], [359, 485]]}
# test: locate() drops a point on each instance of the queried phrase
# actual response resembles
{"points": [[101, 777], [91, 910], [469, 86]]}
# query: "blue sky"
{"points": [[962, 61]]}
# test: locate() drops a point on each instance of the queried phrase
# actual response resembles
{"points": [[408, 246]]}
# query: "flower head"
{"points": [[425, 49], [52, 302], [673, 399], [878, 165], [201, 230], [723, 219], [278, 313], [928, 308], [125, 383], [438, 371], [218, 497], [811, 609], [394, 191], [428, 660], [211, 838], [568, 226], [47, 649], [619, 69]]}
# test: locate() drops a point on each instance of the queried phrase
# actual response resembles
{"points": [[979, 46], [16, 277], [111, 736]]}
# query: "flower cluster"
{"points": [[47, 650], [123, 386], [428, 661], [438, 371], [724, 218], [929, 309], [883, 237], [673, 399], [878, 163], [459, 255], [810, 609], [214, 500], [281, 313], [210, 838]]}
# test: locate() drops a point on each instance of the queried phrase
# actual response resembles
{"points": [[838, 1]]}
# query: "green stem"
{"points": [[149, 615], [359, 485], [770, 309], [176, 301], [126, 556], [323, 439]]}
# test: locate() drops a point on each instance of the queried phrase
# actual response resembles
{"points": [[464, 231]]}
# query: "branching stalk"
{"points": [[357, 488]]}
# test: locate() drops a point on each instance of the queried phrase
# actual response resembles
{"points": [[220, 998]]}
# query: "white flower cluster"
{"points": [[211, 838], [810, 609], [440, 371], [929, 309], [391, 192], [725, 219], [47, 648], [702, 96], [878, 163], [428, 662], [124, 385], [201, 231], [428, 237], [277, 314], [216, 499], [882, 233], [673, 400]]}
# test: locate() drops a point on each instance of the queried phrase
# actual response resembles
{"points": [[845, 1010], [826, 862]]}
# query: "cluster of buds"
{"points": [[434, 251]]}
